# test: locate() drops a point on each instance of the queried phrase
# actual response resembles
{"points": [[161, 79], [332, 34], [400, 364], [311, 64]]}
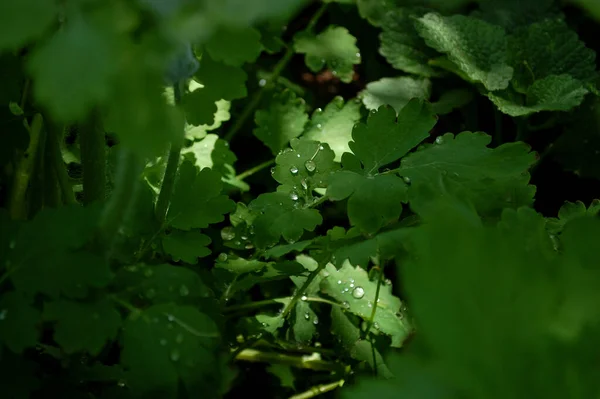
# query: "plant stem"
{"points": [[166, 189], [273, 302], [17, 204], [255, 169], [310, 362], [57, 163], [318, 390], [279, 67], [300, 292], [93, 159], [375, 306], [129, 168]]}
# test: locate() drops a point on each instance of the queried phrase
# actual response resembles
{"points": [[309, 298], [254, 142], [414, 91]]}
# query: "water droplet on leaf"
{"points": [[228, 234], [175, 355], [310, 165], [358, 292], [163, 342], [346, 304], [304, 297], [294, 196], [222, 257], [306, 315], [294, 170], [439, 140]]}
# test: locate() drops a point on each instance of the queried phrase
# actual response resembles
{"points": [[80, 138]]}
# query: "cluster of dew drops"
{"points": [[311, 167]]}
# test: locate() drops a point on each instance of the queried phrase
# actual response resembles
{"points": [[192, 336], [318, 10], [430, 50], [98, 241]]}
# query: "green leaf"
{"points": [[244, 13], [305, 320], [197, 200], [303, 168], [570, 211], [333, 125], [279, 250], [221, 115], [161, 283], [186, 246], [491, 179], [549, 48], [350, 339], [383, 140], [395, 92], [281, 121], [100, 322], [49, 260], [352, 288], [239, 265], [216, 82], [18, 322], [477, 48], [374, 201], [234, 46], [166, 343], [69, 89], [24, 21], [451, 100], [402, 46], [212, 152], [552, 93], [284, 374], [334, 47], [280, 216], [271, 272]]}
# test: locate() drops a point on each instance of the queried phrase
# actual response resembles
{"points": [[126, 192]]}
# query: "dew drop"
{"points": [[346, 304], [273, 170], [319, 126], [294, 196], [163, 342], [294, 170], [358, 292], [370, 304], [406, 179], [262, 82], [346, 289], [316, 321], [228, 234], [376, 325], [319, 110], [306, 315], [339, 281], [174, 355], [170, 317], [351, 285], [321, 148], [310, 165], [222, 257], [304, 297], [184, 291], [304, 184], [439, 140], [3, 314]]}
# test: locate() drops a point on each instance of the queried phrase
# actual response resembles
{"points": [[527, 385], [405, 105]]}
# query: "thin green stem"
{"points": [[311, 362], [255, 169], [300, 293], [93, 159], [318, 390], [375, 306], [274, 302], [318, 202], [55, 158], [123, 303], [17, 205], [279, 67], [166, 189], [127, 176]]}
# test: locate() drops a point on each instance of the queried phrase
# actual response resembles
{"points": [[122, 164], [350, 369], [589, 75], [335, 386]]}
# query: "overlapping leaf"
{"points": [[100, 321], [186, 246], [234, 46], [352, 287], [334, 47], [19, 322], [333, 125], [197, 200], [395, 92], [477, 48], [490, 178], [376, 199], [165, 344], [281, 121]]}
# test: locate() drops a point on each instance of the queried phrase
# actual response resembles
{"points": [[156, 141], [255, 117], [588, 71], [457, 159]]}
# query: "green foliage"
{"points": [[398, 247]]}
